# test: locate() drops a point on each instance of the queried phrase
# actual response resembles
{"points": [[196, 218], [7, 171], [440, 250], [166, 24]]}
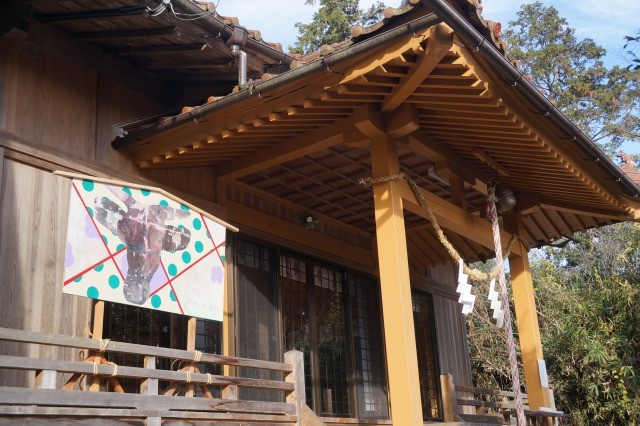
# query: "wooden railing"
{"points": [[490, 405], [53, 397]]}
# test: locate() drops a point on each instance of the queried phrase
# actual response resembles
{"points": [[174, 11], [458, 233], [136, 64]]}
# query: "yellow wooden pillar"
{"points": [[402, 360], [527, 316]]}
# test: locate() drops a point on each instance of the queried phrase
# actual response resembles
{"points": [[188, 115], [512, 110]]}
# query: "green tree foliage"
{"points": [[588, 297], [587, 294], [604, 102], [332, 23]]}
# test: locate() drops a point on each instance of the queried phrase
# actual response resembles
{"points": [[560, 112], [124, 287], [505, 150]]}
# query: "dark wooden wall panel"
{"points": [[118, 104], [451, 329], [33, 222], [50, 101]]}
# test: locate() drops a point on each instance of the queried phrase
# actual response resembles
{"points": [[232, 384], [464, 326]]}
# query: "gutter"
{"points": [[226, 32], [544, 107], [320, 64]]}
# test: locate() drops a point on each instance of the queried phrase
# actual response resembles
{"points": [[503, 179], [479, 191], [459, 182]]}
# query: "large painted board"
{"points": [[142, 246]]}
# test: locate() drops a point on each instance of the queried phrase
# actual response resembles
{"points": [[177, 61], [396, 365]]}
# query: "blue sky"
{"points": [[607, 22]]}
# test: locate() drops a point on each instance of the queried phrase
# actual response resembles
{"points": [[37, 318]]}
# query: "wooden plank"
{"points": [[21, 363], [449, 399], [46, 379], [149, 386], [1, 166], [296, 378], [400, 341], [19, 396], [130, 348], [270, 419], [191, 346]]}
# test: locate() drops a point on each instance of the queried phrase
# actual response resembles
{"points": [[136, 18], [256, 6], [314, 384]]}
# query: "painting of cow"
{"points": [[145, 233]]}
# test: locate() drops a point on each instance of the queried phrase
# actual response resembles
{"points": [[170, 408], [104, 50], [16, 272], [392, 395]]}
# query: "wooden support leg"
{"points": [[527, 316], [402, 360], [191, 346]]}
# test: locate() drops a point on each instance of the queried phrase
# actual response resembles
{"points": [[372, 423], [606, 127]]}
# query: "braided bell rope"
{"points": [[474, 274], [513, 361]]}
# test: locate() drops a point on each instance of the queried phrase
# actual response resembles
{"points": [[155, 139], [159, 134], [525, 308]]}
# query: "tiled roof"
{"points": [[629, 167], [392, 17]]}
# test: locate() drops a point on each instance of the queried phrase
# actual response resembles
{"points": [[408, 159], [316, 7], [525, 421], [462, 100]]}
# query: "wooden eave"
{"points": [[173, 53], [307, 142]]}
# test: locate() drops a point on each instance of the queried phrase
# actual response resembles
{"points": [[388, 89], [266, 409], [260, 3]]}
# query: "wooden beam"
{"points": [[397, 308], [403, 121], [125, 34], [325, 137], [491, 162], [438, 44], [563, 206], [528, 202], [162, 49], [455, 219], [369, 121], [526, 316], [379, 57], [251, 218], [447, 164]]}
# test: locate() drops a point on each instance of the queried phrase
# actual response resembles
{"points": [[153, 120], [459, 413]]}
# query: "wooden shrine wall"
{"points": [[56, 115]]}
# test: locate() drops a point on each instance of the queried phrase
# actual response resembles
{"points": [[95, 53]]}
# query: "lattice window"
{"points": [[257, 315], [332, 363], [367, 345], [296, 324]]}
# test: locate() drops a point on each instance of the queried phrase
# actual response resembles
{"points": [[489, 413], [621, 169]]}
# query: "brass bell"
{"points": [[506, 199]]}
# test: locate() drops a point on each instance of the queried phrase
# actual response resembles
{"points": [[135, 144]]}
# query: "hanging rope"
{"points": [[474, 274], [513, 361], [103, 344]]}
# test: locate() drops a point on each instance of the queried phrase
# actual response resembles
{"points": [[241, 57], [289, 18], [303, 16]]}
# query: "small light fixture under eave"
{"points": [[309, 222]]}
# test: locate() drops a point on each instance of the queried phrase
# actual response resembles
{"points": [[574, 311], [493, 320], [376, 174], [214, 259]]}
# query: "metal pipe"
{"points": [[544, 106], [320, 64], [215, 26], [242, 64]]}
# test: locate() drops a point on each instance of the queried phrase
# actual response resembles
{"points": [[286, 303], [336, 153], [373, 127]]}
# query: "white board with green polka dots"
{"points": [[141, 246]]}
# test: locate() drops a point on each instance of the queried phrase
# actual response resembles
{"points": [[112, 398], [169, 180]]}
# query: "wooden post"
{"points": [[397, 308], [449, 399], [230, 392], [149, 386], [297, 397], [46, 379], [527, 316], [97, 332], [191, 346]]}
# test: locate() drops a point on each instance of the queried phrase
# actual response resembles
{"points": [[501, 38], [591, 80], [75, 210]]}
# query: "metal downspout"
{"points": [[224, 31]]}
